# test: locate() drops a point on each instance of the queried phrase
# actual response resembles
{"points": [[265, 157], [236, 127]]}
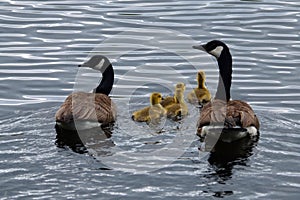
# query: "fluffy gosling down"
{"points": [[178, 109], [200, 94], [169, 100], [152, 113]]}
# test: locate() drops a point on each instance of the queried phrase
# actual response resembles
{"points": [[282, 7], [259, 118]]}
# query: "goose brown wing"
{"points": [[242, 113], [213, 112], [64, 113], [87, 106], [234, 113]]}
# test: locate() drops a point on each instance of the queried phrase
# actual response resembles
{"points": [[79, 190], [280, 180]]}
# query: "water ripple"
{"points": [[42, 42]]}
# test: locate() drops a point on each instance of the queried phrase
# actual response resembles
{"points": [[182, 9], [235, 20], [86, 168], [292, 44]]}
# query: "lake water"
{"points": [[149, 44]]}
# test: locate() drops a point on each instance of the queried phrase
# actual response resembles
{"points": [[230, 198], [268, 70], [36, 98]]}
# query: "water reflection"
{"points": [[222, 160], [222, 194], [97, 139], [224, 156], [263, 36]]}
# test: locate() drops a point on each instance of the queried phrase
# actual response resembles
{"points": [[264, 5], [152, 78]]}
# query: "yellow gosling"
{"points": [[201, 94], [178, 109], [152, 113], [167, 101]]}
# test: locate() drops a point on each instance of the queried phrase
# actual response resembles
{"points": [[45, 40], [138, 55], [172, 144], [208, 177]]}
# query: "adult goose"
{"points": [[234, 118], [83, 110]]}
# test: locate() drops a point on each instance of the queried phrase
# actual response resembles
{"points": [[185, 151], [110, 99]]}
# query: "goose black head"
{"points": [[220, 50], [102, 64], [97, 62], [214, 47]]}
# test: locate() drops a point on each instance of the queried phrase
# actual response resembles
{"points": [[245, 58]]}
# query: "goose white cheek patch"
{"points": [[100, 65], [217, 51]]}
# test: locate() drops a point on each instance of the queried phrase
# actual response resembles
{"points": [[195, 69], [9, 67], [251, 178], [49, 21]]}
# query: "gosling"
{"points": [[201, 94], [152, 113], [178, 109], [170, 100]]}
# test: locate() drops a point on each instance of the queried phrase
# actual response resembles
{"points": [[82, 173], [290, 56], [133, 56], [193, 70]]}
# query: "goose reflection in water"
{"points": [[97, 138], [224, 156]]}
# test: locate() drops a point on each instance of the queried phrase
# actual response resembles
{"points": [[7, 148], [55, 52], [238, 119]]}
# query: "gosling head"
{"points": [[214, 47], [97, 62], [201, 76], [155, 98], [179, 95], [180, 85]]}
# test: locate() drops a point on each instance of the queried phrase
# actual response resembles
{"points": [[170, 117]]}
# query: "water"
{"points": [[42, 43]]}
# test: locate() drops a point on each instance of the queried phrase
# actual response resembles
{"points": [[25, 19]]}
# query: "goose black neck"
{"points": [[225, 76], [107, 81]]}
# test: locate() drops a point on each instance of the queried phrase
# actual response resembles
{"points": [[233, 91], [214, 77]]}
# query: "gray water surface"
{"points": [[41, 44]]}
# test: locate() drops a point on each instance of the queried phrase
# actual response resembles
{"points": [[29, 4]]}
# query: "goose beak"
{"points": [[83, 65], [199, 47]]}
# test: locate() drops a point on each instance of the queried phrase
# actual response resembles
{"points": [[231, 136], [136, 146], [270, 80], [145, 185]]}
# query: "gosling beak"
{"points": [[199, 47], [162, 98]]}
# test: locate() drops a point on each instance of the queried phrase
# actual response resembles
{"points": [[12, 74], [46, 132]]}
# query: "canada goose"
{"points": [[172, 99], [231, 114], [200, 94], [88, 110], [152, 113], [179, 108]]}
